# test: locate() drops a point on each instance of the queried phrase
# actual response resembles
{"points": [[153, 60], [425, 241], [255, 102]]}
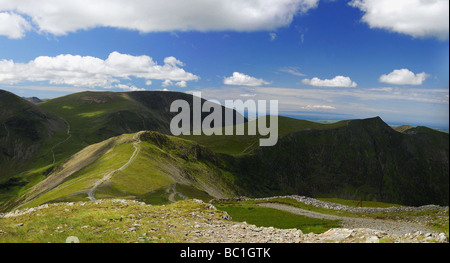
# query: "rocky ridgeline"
{"points": [[334, 206], [229, 232], [25, 211], [207, 229]]}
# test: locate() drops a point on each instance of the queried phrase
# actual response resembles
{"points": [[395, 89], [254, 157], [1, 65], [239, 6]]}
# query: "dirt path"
{"points": [[59, 143], [56, 145], [6, 128], [91, 192], [391, 227]]}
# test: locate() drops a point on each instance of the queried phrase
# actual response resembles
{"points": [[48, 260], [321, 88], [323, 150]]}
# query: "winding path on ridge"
{"points": [[392, 227], [91, 192]]}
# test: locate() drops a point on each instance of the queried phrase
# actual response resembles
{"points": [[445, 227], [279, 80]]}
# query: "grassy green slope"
{"points": [[28, 135], [343, 159], [80, 117], [348, 159], [97, 116], [25, 130], [94, 117], [84, 119], [165, 166], [108, 222]]}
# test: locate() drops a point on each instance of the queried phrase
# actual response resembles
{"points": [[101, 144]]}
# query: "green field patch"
{"points": [[157, 197], [92, 114], [108, 191], [269, 217], [434, 216]]}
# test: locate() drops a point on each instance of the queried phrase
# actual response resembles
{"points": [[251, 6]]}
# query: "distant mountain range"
{"points": [[93, 144], [33, 99]]}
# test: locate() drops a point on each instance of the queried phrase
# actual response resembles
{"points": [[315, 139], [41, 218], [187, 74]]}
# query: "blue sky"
{"points": [[321, 59]]}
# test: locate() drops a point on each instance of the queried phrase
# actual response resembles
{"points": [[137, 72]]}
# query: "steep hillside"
{"points": [[365, 158], [25, 131], [36, 139], [147, 166], [33, 99], [97, 116], [95, 149]]}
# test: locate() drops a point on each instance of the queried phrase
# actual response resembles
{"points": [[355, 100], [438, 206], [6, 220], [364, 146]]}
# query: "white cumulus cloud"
{"points": [[403, 77], [90, 71], [60, 17], [317, 107], [13, 25], [167, 83], [418, 18], [181, 84], [239, 79], [173, 61], [338, 81], [128, 87]]}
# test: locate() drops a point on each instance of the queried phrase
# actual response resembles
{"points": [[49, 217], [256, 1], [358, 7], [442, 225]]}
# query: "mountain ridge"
{"points": [[353, 158], [383, 164]]}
